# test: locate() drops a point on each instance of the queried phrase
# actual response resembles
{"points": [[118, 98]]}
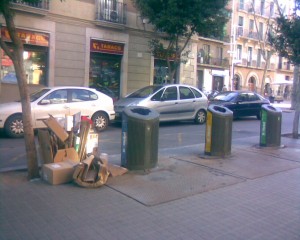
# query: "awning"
{"points": [[282, 82]]}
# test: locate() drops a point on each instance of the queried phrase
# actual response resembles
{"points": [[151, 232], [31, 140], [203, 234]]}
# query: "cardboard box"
{"points": [[66, 154], [58, 173], [92, 143], [54, 125]]}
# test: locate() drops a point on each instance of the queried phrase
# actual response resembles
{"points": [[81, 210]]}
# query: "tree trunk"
{"points": [[296, 101], [295, 86], [296, 124], [32, 162], [17, 57]]}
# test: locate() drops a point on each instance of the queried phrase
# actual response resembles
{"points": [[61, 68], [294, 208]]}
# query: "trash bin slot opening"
{"points": [[219, 109], [271, 108], [141, 111]]}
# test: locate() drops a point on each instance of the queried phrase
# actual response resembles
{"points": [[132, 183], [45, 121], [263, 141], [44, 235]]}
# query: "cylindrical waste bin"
{"points": [[270, 126], [140, 127], [218, 133]]}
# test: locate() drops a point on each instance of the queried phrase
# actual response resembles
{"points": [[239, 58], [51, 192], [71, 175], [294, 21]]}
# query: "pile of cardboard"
{"points": [[69, 152]]}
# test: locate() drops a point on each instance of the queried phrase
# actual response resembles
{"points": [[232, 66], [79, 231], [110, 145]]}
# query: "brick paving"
{"points": [[263, 207]]}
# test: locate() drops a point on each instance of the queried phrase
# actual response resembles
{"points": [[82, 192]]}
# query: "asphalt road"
{"points": [[171, 135]]}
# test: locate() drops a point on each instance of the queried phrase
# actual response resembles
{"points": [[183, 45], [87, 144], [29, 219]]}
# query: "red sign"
{"points": [[107, 47], [27, 37]]}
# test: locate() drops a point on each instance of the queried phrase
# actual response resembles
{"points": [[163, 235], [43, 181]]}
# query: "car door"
{"points": [[241, 107], [54, 103], [187, 103], [254, 104], [168, 106]]}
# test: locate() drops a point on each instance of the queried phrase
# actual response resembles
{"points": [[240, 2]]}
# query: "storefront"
{"points": [[36, 46], [105, 66]]}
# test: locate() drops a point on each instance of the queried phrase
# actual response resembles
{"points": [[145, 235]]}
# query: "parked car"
{"points": [[173, 102], [241, 103], [58, 101]]}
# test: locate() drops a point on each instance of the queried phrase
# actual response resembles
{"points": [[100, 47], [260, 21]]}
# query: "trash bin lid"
{"points": [[271, 109], [141, 113], [219, 110]]}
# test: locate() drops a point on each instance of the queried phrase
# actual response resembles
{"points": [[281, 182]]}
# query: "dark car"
{"points": [[241, 103]]}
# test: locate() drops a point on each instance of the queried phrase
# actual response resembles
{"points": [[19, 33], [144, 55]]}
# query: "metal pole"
{"points": [[232, 48]]}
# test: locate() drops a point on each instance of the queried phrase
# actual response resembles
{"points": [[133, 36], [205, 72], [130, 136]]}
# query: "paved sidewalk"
{"points": [[252, 194]]}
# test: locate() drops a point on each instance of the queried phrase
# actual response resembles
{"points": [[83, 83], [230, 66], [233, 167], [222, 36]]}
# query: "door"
{"points": [[168, 107], [55, 103]]}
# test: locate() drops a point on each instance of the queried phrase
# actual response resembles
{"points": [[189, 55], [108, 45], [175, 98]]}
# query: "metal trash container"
{"points": [[140, 127], [270, 126], [218, 135]]}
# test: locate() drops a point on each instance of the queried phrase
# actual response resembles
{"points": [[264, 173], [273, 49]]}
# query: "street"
{"points": [[171, 135]]}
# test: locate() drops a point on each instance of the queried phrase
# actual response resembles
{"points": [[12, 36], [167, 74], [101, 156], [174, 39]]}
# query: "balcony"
{"points": [[41, 7], [111, 12], [213, 61], [246, 33]]}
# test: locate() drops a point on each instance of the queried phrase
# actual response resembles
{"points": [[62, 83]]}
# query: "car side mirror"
{"points": [[45, 102]]}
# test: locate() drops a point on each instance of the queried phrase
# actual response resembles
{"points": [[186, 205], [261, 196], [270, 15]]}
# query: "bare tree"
{"points": [[286, 42], [15, 53], [264, 44]]}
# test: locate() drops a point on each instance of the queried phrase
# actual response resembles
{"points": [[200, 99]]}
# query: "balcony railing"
{"points": [[111, 11], [213, 61], [42, 4], [246, 33]]}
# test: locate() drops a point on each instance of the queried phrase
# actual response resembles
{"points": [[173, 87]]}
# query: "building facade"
{"points": [[251, 69], [106, 46]]}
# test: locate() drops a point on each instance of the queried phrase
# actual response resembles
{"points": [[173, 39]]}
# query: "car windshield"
{"points": [[144, 92], [34, 96], [225, 96]]}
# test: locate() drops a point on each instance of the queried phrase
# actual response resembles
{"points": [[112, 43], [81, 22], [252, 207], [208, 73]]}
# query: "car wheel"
{"points": [[14, 126], [200, 117], [100, 121]]}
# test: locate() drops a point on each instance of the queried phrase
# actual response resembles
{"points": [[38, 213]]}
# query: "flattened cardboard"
{"points": [[66, 154], [45, 146], [58, 173], [54, 125]]}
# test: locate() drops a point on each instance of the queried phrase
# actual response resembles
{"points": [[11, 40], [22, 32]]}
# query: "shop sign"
{"points": [[163, 55], [27, 37], [107, 47]]}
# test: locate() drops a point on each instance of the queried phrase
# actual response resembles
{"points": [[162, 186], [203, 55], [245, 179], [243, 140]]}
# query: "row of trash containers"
{"points": [[140, 127]]}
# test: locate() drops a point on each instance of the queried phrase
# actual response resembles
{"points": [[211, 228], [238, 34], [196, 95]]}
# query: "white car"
{"points": [[173, 102], [59, 102]]}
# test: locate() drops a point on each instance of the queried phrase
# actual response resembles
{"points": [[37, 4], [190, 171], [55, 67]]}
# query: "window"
{"points": [[271, 9], [252, 97], [280, 63], [57, 97], [170, 94], [261, 30], [220, 53], [185, 93], [241, 4], [206, 49], [161, 71], [35, 65], [196, 93], [239, 52], [249, 62], [79, 95], [251, 28], [259, 58], [262, 7]]}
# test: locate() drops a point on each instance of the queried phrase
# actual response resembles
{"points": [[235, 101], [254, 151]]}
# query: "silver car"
{"points": [[173, 102]]}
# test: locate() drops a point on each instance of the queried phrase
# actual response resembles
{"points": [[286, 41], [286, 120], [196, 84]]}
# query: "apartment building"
{"points": [[250, 39], [105, 43]]}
